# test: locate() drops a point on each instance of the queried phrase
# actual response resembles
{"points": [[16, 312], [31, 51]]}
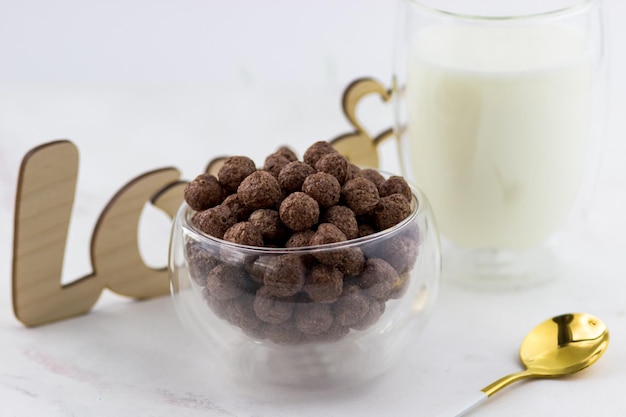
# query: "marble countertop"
{"points": [[202, 87]]}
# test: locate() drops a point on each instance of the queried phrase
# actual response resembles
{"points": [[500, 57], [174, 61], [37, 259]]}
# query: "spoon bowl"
{"points": [[559, 346]]}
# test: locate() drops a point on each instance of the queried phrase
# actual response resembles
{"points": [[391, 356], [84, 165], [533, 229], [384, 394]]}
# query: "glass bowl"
{"points": [[388, 289]]}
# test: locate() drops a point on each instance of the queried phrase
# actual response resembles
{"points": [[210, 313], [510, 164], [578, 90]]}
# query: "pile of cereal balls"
{"points": [[294, 297]]}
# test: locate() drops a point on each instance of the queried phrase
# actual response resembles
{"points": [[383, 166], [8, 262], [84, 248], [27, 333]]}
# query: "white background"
{"points": [[139, 85]]}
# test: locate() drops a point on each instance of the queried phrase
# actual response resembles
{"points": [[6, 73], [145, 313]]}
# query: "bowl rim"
{"points": [[417, 207]]}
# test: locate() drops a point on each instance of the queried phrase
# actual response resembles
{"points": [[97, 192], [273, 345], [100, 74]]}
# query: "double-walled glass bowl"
{"points": [[388, 289]]}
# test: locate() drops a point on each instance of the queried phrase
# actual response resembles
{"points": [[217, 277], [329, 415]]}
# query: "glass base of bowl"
{"points": [[358, 358], [500, 269]]}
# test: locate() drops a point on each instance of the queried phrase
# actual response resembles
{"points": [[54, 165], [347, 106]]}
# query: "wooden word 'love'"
{"points": [[45, 197]]}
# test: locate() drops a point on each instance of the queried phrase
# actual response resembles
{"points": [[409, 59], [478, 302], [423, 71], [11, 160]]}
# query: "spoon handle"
{"points": [[506, 381], [485, 393], [460, 409]]}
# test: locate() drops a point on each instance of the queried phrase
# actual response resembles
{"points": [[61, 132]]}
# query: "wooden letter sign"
{"points": [[45, 196]]}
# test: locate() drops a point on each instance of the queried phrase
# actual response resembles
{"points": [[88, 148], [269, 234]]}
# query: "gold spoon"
{"points": [[559, 346]]}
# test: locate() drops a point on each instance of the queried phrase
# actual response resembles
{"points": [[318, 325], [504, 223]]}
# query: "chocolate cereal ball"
{"points": [[344, 219], [241, 313], [328, 233], [260, 190], [374, 312], [233, 171], [323, 187], [293, 175], [219, 307], [203, 192], [352, 306], [366, 229], [336, 165], [323, 284], [354, 171], [360, 195], [299, 211], [269, 224], [300, 239], [400, 252], [313, 318], [391, 210], [274, 163], [214, 221], [352, 262], [378, 278], [224, 282], [286, 152], [285, 275], [238, 209], [374, 176], [395, 185], [200, 261], [315, 152], [244, 233], [285, 333], [272, 309]]}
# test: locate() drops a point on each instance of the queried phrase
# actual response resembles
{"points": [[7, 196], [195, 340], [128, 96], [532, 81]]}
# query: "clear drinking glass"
{"points": [[499, 116], [294, 341]]}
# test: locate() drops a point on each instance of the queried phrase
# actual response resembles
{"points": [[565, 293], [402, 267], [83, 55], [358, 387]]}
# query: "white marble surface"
{"points": [[140, 85]]}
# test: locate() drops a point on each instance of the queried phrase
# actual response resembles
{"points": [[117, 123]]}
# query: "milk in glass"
{"points": [[498, 125]]}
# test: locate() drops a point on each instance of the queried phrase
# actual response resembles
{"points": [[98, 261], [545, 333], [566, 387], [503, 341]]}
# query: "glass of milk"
{"points": [[498, 115]]}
